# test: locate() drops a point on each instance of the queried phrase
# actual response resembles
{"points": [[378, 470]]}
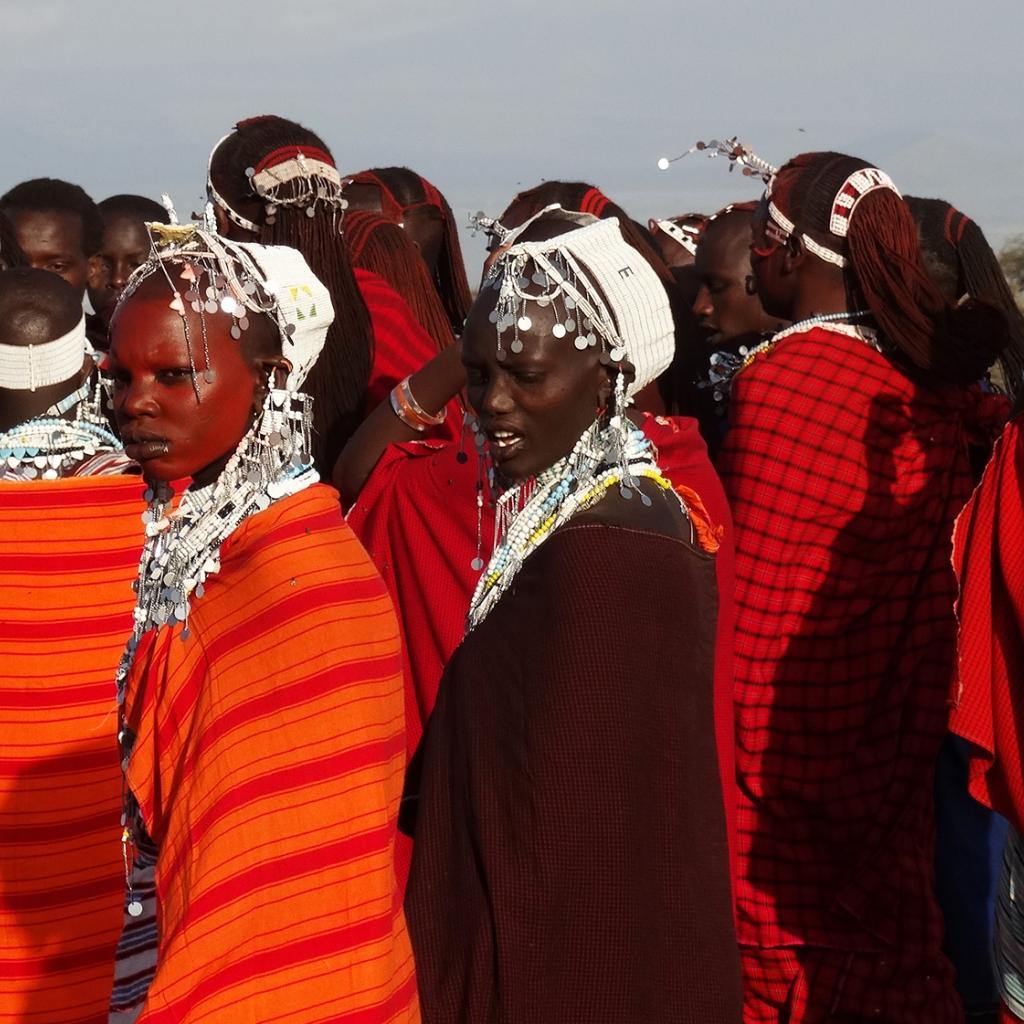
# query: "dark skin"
{"points": [[125, 247], [53, 240], [534, 405], [793, 283], [727, 303], [169, 430], [26, 324]]}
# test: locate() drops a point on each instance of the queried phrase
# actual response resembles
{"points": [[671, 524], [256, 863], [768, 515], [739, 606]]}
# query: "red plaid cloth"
{"points": [[825, 986], [845, 478]]}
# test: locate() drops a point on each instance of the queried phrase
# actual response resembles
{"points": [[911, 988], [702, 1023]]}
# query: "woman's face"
{"points": [[533, 405], [165, 427]]}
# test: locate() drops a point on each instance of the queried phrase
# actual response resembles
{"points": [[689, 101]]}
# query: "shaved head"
{"points": [[36, 306]]}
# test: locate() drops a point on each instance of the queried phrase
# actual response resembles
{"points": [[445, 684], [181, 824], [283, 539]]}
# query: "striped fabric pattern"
{"points": [[268, 768], [69, 550]]}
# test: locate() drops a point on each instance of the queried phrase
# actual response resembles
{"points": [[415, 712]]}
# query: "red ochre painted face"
{"points": [[163, 425], [533, 405]]}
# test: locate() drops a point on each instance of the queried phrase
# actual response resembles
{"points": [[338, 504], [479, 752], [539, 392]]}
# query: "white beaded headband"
{"points": [[28, 367], [321, 184], [609, 291], [850, 193], [684, 234]]}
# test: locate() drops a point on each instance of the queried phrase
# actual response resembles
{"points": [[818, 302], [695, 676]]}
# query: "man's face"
{"points": [[727, 302], [52, 240]]}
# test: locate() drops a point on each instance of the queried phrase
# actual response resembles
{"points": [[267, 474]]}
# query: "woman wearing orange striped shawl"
{"points": [[262, 729]]}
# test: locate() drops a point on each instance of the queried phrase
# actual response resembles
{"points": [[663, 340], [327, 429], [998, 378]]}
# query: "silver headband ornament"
{"points": [[213, 274], [599, 288], [315, 182], [737, 153]]}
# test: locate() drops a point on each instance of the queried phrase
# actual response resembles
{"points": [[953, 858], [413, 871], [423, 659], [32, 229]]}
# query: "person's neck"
{"points": [[821, 290]]}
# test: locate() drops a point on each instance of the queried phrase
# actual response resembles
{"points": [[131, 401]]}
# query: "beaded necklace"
{"points": [[598, 462], [49, 446], [826, 321], [183, 547]]}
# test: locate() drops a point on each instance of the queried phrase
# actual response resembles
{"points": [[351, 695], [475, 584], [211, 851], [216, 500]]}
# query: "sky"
{"points": [[486, 99]]}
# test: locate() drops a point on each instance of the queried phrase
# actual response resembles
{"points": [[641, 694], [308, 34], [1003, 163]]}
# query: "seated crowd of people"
{"points": [[633, 636]]}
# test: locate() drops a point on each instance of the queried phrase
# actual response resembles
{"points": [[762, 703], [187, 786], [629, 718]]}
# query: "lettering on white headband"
{"points": [[28, 367]]}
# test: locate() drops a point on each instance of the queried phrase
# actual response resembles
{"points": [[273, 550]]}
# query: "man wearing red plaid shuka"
{"points": [[846, 464]]}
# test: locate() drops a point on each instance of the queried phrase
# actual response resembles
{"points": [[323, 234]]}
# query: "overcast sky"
{"points": [[488, 98]]}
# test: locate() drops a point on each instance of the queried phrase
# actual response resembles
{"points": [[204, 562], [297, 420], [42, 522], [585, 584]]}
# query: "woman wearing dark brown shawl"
{"points": [[570, 860]]}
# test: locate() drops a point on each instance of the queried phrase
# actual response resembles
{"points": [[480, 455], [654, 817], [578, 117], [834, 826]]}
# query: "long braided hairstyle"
{"points": [[885, 272], [339, 379], [382, 247], [961, 262], [402, 190]]}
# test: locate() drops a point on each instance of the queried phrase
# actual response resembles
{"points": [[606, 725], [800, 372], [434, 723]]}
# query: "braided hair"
{"points": [[885, 270], [382, 247], [961, 261], [338, 381], [401, 190]]}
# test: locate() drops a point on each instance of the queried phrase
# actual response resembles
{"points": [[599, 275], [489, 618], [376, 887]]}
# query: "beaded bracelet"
{"points": [[409, 411]]}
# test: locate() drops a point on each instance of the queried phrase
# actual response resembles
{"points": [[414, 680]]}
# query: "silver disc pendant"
{"points": [[516, 346], [580, 342], [524, 323], [477, 564], [135, 908], [558, 331]]}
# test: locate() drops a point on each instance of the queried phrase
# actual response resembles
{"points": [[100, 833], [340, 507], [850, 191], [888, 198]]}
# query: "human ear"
{"points": [[793, 253]]}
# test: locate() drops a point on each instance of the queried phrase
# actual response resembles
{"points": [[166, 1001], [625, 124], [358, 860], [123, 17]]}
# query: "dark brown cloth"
{"points": [[570, 861]]}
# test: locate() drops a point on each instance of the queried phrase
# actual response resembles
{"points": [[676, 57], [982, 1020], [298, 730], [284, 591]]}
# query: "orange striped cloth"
{"points": [[268, 763], [69, 550]]}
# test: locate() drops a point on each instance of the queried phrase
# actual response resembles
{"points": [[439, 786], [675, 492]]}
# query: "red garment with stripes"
{"points": [[988, 700], [845, 478], [268, 766], [69, 551], [417, 516], [400, 346]]}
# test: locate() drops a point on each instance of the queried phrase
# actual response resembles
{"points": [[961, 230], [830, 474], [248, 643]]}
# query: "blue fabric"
{"points": [[968, 857]]}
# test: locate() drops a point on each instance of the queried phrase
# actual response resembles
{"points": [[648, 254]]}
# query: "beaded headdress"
{"points": [[685, 235], [603, 293], [849, 194], [309, 171], [213, 274], [738, 154], [50, 445], [27, 367]]}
